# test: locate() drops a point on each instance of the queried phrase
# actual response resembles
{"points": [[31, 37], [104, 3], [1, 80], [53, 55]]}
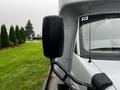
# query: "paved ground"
{"points": [[53, 82]]}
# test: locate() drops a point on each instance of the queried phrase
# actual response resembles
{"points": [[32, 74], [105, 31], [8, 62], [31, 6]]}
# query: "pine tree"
{"points": [[29, 29], [4, 36], [17, 33], [23, 35], [12, 36], [0, 41]]}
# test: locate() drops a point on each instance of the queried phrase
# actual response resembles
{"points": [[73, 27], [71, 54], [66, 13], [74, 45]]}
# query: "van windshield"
{"points": [[101, 34]]}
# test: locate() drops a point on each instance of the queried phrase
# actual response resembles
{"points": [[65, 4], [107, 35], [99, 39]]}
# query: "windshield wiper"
{"points": [[106, 49]]}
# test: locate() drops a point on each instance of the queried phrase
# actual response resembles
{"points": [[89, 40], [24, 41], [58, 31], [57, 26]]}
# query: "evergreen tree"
{"points": [[23, 35], [0, 41], [17, 33], [12, 36], [4, 36], [29, 29]]}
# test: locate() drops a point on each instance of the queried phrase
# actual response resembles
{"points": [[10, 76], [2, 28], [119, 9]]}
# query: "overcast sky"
{"points": [[14, 12]]}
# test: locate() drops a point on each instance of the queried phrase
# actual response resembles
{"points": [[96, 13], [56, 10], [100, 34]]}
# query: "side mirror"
{"points": [[53, 36]]}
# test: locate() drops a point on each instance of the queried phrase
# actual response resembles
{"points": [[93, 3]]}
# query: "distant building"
{"points": [[37, 37]]}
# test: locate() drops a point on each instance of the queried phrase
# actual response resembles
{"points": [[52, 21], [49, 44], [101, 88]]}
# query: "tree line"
{"points": [[14, 37]]}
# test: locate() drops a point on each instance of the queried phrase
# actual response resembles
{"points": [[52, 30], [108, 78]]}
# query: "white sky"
{"points": [[19, 11]]}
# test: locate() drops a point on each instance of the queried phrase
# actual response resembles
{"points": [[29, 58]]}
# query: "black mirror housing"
{"points": [[101, 81], [53, 36]]}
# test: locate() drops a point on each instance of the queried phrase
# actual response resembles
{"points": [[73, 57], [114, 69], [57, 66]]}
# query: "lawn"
{"points": [[23, 67]]}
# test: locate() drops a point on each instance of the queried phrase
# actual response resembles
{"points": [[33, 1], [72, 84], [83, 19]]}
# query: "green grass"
{"points": [[23, 67]]}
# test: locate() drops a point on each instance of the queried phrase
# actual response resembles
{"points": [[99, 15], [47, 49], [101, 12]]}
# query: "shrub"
{"points": [[17, 42], [4, 37], [12, 36], [21, 41], [11, 44]]}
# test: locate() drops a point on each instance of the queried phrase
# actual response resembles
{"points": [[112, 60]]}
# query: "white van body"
{"points": [[79, 67]]}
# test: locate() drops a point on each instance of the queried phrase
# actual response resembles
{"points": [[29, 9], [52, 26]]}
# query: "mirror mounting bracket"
{"points": [[68, 75]]}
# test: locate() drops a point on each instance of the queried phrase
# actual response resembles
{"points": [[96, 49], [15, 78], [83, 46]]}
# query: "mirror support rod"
{"points": [[60, 77], [53, 62]]}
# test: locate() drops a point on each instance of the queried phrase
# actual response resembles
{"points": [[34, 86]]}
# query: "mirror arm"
{"points": [[53, 62], [60, 77]]}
